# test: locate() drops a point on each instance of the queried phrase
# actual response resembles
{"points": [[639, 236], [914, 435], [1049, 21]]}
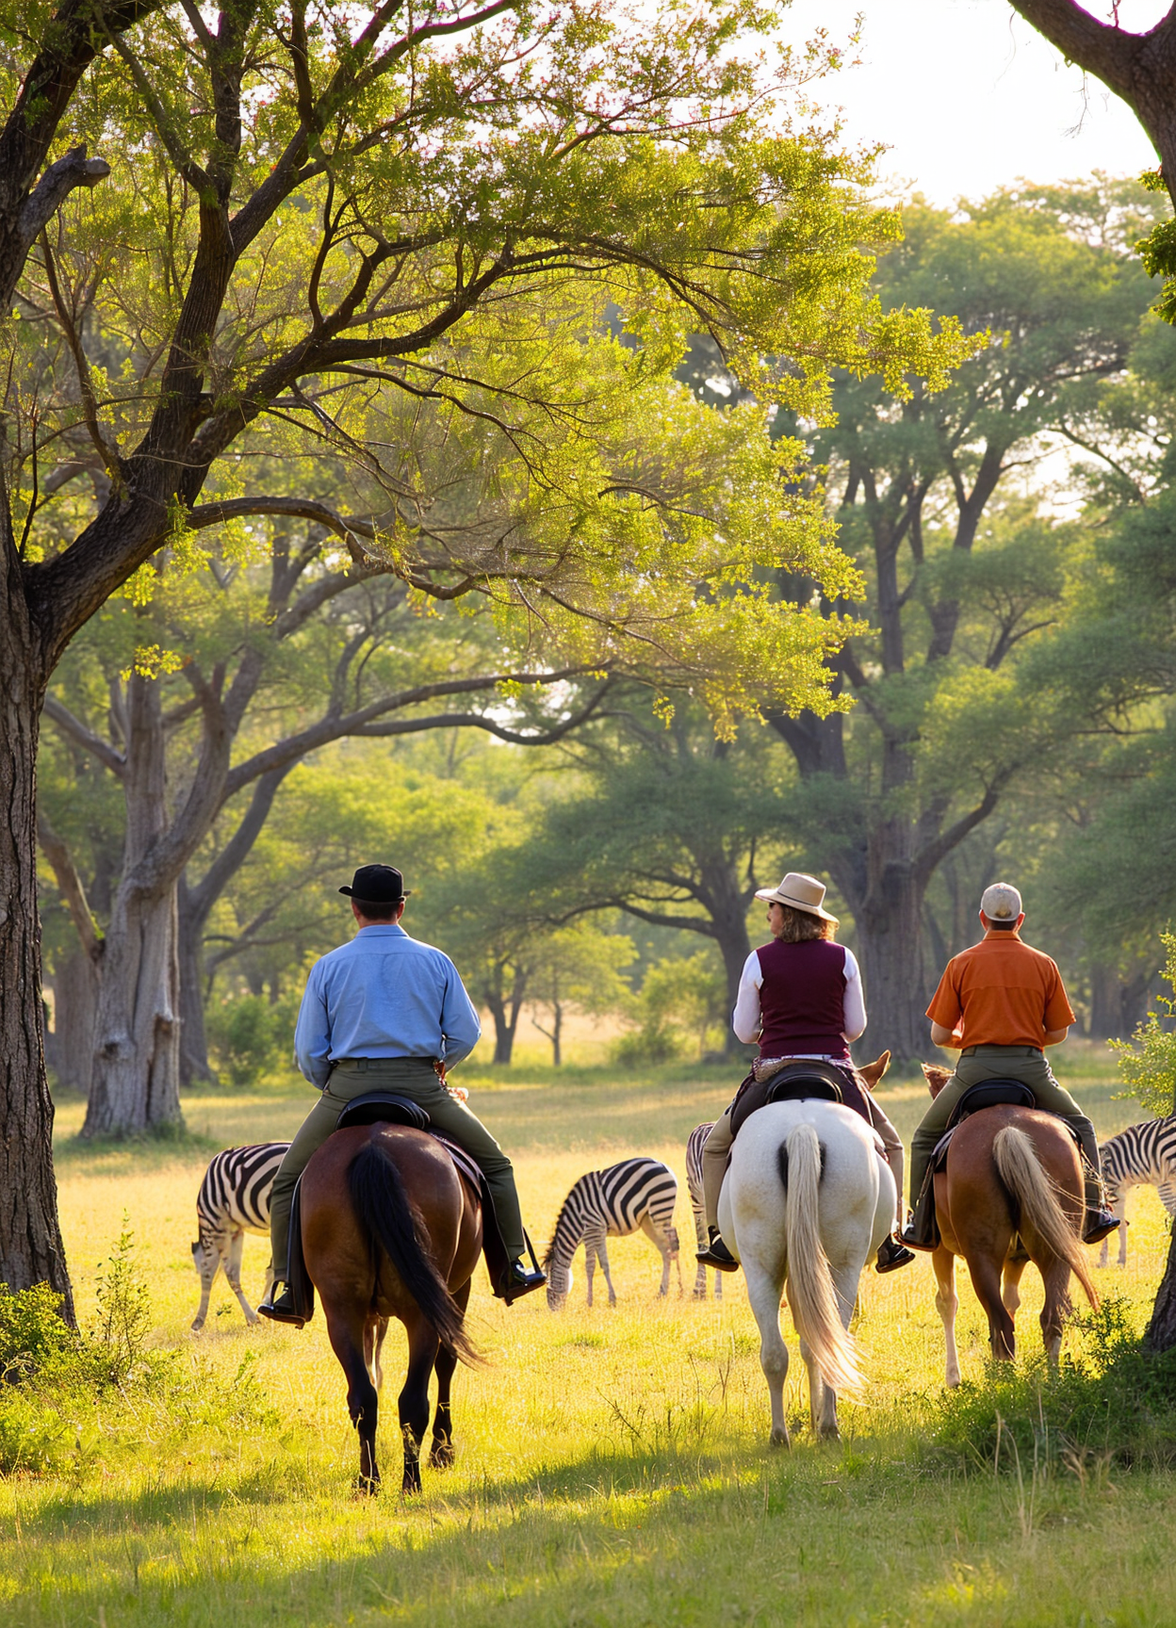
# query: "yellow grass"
{"points": [[612, 1464]]}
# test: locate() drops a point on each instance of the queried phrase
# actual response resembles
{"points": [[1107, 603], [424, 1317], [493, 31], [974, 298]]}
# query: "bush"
{"points": [[679, 999], [58, 1380], [1116, 1401], [1147, 1062], [250, 1036]]}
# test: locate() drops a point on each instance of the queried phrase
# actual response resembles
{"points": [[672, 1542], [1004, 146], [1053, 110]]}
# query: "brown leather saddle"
{"points": [[806, 1079]]}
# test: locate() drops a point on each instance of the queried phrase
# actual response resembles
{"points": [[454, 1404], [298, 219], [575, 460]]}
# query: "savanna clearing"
{"points": [[613, 1465]]}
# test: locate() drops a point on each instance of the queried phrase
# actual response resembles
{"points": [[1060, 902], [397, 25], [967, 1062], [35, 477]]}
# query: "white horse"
{"points": [[807, 1200]]}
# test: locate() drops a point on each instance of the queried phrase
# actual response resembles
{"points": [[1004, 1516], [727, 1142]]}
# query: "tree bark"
{"points": [[75, 1009], [136, 1085], [1161, 1330], [31, 1248]]}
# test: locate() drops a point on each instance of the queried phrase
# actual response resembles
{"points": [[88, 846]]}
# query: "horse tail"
{"points": [[811, 1291], [391, 1219], [1020, 1170]]}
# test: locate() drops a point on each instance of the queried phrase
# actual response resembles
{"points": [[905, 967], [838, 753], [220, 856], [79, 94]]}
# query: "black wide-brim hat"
{"points": [[377, 884]]}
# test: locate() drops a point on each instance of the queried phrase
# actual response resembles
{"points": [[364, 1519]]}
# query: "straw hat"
{"points": [[799, 891]]}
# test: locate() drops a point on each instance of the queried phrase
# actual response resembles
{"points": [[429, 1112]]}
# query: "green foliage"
{"points": [[32, 1333], [1147, 1062], [1118, 1402], [53, 1378], [250, 1036], [680, 999]]}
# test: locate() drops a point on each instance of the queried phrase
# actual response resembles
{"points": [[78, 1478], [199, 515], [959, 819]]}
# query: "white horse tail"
{"points": [[1018, 1167], [811, 1293]]}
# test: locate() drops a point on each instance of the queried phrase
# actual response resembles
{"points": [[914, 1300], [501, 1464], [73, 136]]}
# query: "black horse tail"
{"points": [[392, 1220]]}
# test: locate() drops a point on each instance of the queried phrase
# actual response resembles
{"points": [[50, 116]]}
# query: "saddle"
{"points": [[386, 1108], [988, 1094], [795, 1080]]}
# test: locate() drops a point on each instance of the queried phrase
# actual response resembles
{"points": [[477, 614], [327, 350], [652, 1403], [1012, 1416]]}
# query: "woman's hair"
{"points": [[801, 925]]}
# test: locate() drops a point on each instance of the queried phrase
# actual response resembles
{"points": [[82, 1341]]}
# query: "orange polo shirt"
{"points": [[1005, 993]]}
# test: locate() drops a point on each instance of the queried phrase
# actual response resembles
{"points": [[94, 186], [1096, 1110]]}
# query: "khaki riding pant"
{"points": [[414, 1078], [717, 1148], [1025, 1063]]}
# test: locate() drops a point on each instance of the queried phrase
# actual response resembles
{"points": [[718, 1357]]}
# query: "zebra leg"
{"points": [[441, 1456], [602, 1254], [664, 1248], [700, 1239], [589, 1262], [233, 1273], [206, 1256]]}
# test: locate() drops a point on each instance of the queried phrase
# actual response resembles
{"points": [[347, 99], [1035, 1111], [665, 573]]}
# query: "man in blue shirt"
{"points": [[385, 1012]]}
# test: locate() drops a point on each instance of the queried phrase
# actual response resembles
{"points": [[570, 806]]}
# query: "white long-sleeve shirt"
{"points": [[745, 1020]]}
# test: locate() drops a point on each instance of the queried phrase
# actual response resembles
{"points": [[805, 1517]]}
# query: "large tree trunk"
{"points": [[75, 1009], [136, 1084], [194, 1064], [31, 1249], [890, 947], [1161, 1331]]}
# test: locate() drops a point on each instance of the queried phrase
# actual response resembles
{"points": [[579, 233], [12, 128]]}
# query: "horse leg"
{"points": [[1053, 1313], [233, 1273], [441, 1454], [985, 1273], [1010, 1293], [413, 1402], [947, 1305], [764, 1293], [373, 1344], [349, 1337]]}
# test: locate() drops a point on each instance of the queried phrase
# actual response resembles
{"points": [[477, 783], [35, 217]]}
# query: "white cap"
{"points": [[1001, 902]]}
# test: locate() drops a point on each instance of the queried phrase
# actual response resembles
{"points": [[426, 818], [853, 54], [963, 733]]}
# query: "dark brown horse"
{"points": [[391, 1229], [1011, 1172]]}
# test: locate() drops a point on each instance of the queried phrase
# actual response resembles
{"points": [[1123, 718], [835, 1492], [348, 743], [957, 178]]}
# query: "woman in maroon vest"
{"points": [[800, 996]]}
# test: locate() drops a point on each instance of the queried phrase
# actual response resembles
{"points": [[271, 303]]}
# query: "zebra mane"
{"points": [[559, 1221]]}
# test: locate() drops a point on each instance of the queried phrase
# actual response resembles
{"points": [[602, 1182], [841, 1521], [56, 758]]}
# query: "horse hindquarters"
{"points": [[821, 1308]]}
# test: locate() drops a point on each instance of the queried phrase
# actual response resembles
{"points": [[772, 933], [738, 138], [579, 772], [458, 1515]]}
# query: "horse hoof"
{"points": [[779, 1438], [442, 1458], [366, 1486]]}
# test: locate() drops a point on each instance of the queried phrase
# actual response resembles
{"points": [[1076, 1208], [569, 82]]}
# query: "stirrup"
{"points": [[281, 1308]]}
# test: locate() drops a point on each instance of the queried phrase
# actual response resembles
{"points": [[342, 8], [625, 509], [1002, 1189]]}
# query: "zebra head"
{"points": [[558, 1266]]}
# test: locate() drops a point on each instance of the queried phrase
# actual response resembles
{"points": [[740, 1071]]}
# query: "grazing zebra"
{"points": [[635, 1193], [1142, 1155], [234, 1199], [694, 1184]]}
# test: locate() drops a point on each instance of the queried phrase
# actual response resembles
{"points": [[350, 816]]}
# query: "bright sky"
{"points": [[968, 97]]}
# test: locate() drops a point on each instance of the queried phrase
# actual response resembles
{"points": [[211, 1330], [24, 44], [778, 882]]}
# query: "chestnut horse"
{"points": [[1010, 1172], [391, 1229]]}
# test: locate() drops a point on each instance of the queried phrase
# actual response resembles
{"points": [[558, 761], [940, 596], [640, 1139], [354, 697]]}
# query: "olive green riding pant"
{"points": [[1024, 1063], [414, 1078]]}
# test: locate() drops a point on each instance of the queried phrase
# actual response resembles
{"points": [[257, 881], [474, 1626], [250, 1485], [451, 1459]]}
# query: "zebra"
{"points": [[694, 1184], [234, 1199], [1143, 1154], [635, 1193]]}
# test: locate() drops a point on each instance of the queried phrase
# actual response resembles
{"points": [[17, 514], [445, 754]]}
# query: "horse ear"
{"points": [[936, 1076]]}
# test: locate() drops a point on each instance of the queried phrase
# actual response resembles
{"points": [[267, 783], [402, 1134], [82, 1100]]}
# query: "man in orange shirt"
{"points": [[1000, 1004]]}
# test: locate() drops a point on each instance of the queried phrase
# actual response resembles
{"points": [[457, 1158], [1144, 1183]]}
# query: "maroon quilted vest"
{"points": [[802, 999]]}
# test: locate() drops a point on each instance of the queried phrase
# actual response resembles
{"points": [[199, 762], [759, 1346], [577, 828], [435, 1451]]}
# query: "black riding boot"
{"points": [[717, 1254]]}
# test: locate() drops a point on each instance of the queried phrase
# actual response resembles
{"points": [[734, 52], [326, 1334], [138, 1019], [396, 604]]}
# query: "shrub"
{"points": [[250, 1036], [679, 998], [1147, 1062], [32, 1334], [1116, 1400]]}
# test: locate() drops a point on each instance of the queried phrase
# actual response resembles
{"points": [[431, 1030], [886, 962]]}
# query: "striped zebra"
{"points": [[234, 1199], [694, 1147], [1142, 1155], [635, 1193]]}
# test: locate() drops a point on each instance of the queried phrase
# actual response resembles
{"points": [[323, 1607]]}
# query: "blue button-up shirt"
{"points": [[383, 995]]}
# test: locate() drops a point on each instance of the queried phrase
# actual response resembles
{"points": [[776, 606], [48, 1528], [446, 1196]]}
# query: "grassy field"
{"points": [[613, 1466]]}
